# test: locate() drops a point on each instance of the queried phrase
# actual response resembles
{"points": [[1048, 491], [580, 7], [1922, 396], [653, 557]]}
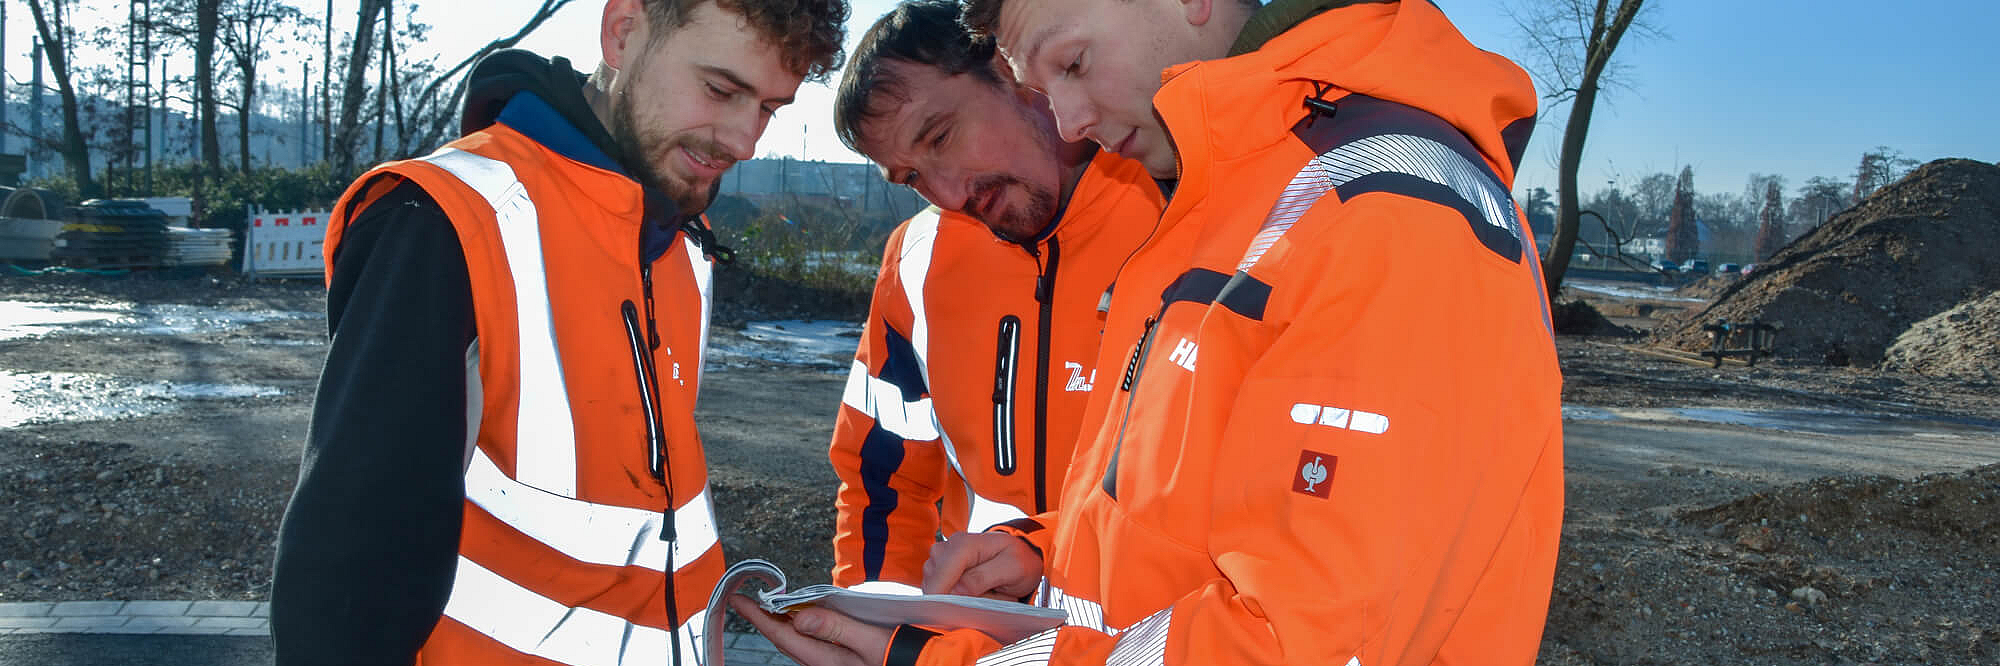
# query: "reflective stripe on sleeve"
{"points": [[1028, 651], [533, 624], [545, 436], [589, 532], [913, 267], [1144, 643], [882, 400]]}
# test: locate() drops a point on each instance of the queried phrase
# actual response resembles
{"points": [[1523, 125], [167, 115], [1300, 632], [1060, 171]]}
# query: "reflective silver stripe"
{"points": [[1143, 643], [881, 400], [919, 238], [704, 280], [589, 532], [1082, 612], [987, 512], [1028, 651], [530, 623], [545, 437], [475, 402], [1386, 153]]}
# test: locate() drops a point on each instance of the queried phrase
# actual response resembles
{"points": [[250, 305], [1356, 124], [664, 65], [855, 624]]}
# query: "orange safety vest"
{"points": [[975, 365], [1339, 440], [571, 543]]}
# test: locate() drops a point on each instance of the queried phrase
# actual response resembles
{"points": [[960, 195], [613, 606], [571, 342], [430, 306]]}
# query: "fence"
{"points": [[284, 244]]}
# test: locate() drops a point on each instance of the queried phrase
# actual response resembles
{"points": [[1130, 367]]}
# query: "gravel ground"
{"points": [[1660, 563]]}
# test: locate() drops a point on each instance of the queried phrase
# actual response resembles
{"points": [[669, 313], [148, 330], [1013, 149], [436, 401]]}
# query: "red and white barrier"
{"points": [[284, 244]]}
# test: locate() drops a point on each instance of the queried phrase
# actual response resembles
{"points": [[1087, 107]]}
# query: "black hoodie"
{"points": [[369, 542]]}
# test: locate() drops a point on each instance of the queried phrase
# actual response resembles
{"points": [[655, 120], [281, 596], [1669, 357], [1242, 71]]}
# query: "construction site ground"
{"points": [[1784, 514]]}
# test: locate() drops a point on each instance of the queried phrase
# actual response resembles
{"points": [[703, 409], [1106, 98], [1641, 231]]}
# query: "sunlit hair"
{"points": [[920, 32], [807, 32]]}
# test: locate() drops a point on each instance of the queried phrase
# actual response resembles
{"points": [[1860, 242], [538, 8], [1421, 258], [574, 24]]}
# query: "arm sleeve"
{"points": [[1437, 522], [369, 542], [886, 450]]}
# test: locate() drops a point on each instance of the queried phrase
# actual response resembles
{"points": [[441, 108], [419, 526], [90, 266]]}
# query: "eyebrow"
{"points": [[930, 123], [738, 81], [1036, 41]]}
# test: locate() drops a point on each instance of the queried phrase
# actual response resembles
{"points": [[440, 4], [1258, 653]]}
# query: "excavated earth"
{"points": [[1660, 563], [1845, 292]]}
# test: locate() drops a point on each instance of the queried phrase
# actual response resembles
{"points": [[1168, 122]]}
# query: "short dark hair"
{"points": [[917, 32], [807, 32]]}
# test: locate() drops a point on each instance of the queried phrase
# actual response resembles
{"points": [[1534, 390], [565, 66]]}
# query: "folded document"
{"points": [[1005, 621]]}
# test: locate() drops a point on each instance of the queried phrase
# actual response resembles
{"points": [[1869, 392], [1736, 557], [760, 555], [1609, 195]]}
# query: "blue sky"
{"points": [[1767, 86]]}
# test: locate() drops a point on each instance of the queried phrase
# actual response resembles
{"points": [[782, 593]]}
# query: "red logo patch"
{"points": [[1314, 475]]}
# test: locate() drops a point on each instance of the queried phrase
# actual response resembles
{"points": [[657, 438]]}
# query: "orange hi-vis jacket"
{"points": [[586, 494], [1341, 439], [973, 371]]}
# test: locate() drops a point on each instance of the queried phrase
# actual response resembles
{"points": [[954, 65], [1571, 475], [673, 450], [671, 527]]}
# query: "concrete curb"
{"points": [[232, 618]]}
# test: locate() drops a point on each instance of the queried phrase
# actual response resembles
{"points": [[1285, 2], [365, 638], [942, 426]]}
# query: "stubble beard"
{"points": [[1017, 224], [641, 148]]}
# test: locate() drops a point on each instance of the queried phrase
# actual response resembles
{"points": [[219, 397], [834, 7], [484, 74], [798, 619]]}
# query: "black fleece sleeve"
{"points": [[370, 540]]}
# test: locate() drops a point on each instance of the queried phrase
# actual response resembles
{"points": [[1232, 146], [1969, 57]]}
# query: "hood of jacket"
{"points": [[1403, 52]]}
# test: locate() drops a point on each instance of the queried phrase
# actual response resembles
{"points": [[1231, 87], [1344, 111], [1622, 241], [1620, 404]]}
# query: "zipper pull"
{"points": [[1132, 366], [652, 329]]}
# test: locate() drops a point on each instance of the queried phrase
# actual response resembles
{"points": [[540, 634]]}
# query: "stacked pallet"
{"points": [[197, 247], [112, 233]]}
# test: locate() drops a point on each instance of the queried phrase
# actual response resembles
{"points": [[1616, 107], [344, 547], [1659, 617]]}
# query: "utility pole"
{"points": [[3, 77], [35, 105], [305, 111], [325, 90], [138, 98]]}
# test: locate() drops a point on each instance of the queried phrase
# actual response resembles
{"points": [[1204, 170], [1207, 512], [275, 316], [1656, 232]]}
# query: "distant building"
{"points": [[781, 180]]}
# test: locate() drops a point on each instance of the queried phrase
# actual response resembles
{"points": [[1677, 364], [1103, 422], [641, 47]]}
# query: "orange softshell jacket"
{"points": [[586, 494], [1339, 441], [973, 371]]}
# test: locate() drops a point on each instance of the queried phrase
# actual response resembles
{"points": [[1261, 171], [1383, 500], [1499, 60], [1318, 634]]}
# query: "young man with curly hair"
{"points": [[502, 465]]}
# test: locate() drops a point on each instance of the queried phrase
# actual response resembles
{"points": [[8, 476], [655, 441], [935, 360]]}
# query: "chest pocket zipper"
{"points": [[1005, 370]]}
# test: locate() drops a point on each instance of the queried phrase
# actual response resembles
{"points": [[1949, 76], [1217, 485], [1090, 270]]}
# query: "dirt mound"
{"points": [[1580, 318], [1961, 342], [1844, 291], [1940, 509]]}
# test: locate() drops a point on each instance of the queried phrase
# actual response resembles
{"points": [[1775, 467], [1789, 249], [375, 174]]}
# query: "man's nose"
{"points": [[1075, 118]]}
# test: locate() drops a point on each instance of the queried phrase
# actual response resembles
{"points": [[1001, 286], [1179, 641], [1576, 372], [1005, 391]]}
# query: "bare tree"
{"points": [[58, 42], [1879, 168], [354, 85], [440, 112], [172, 19], [1574, 41], [251, 22]]}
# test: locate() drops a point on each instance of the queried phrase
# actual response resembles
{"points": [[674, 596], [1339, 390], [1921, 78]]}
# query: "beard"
{"points": [[1015, 224], [644, 154]]}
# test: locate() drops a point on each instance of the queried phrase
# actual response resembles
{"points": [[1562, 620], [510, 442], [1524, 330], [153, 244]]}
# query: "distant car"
{"points": [[1728, 268], [1665, 266], [1695, 266], [1749, 268]]}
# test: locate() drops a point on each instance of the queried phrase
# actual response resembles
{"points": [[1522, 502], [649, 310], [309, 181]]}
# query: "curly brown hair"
{"points": [[807, 32]]}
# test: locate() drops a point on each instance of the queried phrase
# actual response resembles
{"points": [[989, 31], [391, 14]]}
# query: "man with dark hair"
{"points": [[502, 465], [975, 364], [1336, 436]]}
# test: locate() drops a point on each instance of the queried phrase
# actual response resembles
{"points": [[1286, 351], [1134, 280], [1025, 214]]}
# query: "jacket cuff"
{"points": [[906, 644]]}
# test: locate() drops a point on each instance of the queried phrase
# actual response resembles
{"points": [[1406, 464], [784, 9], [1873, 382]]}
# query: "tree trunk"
{"points": [[248, 68], [352, 89], [1599, 45], [207, 21], [1567, 206], [55, 43]]}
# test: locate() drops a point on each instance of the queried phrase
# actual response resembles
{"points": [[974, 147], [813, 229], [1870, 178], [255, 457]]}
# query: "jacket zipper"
{"points": [[1005, 369], [657, 462], [1045, 293], [1132, 368]]}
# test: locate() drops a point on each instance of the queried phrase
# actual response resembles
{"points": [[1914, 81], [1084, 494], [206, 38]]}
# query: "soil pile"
{"points": [[1961, 342], [1580, 318], [1844, 291], [1930, 512]]}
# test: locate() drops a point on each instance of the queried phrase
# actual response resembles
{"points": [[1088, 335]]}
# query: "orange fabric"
{"points": [[971, 282], [589, 221], [1367, 464]]}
